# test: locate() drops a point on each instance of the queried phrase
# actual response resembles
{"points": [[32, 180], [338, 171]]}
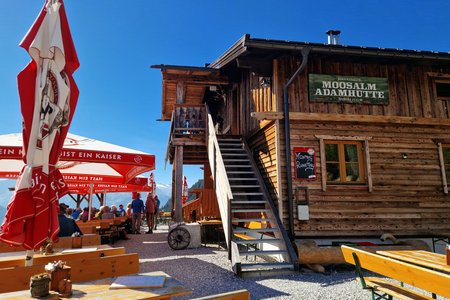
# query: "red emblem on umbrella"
{"points": [[48, 96]]}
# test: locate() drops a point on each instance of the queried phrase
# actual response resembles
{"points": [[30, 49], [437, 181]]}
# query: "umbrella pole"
{"points": [[29, 258], [91, 187]]}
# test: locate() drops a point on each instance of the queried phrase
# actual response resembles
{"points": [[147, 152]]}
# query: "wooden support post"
{"points": [[178, 187]]}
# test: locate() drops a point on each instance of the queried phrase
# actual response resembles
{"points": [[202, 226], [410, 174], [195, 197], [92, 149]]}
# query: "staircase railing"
{"points": [[222, 185]]}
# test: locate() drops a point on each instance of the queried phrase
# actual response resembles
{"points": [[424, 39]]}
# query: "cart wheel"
{"points": [[179, 238]]}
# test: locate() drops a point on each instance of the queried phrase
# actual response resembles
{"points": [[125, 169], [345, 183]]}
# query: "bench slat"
{"points": [[393, 289]]}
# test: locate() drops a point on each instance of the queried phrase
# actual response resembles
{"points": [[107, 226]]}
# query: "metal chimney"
{"points": [[333, 37]]}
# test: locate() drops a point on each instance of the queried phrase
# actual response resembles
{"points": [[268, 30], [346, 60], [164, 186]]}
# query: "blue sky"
{"points": [[118, 41]]}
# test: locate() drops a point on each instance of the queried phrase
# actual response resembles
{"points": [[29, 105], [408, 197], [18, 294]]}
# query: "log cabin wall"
{"points": [[410, 87], [406, 195], [263, 145]]}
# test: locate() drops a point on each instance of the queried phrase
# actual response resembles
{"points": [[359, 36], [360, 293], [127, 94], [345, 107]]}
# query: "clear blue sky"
{"points": [[117, 41]]}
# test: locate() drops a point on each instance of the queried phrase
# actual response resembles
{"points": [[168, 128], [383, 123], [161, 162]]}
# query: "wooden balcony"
{"points": [[188, 129]]}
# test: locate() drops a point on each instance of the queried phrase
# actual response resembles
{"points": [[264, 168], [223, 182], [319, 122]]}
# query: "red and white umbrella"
{"points": [[83, 160], [185, 191], [48, 96]]}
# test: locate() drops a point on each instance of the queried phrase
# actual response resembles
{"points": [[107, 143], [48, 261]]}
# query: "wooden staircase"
{"points": [[256, 230]]}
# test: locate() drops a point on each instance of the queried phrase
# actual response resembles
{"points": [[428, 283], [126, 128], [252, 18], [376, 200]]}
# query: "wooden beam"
{"points": [[368, 167], [323, 166], [267, 115], [442, 165], [299, 116], [181, 92], [178, 162]]}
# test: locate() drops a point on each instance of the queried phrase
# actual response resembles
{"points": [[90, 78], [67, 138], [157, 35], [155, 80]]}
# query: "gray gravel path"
{"points": [[207, 271]]}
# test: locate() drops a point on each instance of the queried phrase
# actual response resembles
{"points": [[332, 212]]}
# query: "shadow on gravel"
{"points": [[206, 278], [155, 246]]}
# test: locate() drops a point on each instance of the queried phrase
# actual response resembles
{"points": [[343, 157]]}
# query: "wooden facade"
{"points": [[401, 184], [402, 191]]}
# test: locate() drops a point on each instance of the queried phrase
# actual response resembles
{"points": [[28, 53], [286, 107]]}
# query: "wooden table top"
{"points": [[423, 258], [99, 289]]}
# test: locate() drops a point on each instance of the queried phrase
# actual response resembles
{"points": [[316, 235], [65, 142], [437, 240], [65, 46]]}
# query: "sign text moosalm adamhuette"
{"points": [[348, 89]]}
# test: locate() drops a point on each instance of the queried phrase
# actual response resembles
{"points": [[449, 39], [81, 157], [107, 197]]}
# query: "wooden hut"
{"points": [[343, 141]]}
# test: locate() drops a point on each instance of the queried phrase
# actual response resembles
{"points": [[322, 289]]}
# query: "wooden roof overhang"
{"points": [[258, 54], [193, 81]]}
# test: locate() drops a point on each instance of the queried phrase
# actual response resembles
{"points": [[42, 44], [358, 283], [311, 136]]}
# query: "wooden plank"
{"points": [[442, 167], [367, 119], [38, 259], [323, 166], [422, 278], [18, 278]]}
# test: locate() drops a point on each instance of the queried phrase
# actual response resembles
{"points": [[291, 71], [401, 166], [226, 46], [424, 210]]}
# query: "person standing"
{"points": [[150, 212], [157, 204], [137, 208]]}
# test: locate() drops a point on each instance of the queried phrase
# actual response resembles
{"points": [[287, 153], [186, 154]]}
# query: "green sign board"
{"points": [[348, 89]]}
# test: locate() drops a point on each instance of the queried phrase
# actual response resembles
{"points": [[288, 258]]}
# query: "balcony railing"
{"points": [[189, 120]]}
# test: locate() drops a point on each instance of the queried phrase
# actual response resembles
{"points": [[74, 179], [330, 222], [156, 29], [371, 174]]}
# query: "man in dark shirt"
{"points": [[137, 209], [67, 226]]}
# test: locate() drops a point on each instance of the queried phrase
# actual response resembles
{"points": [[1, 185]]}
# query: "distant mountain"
{"points": [[198, 185]]}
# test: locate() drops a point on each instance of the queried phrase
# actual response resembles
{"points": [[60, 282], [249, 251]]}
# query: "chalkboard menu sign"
{"points": [[305, 163]]}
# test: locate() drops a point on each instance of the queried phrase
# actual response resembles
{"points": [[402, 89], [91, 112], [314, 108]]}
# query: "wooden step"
{"points": [[248, 194], [243, 230], [262, 252], [251, 220], [245, 186], [257, 266], [248, 202], [257, 241], [249, 210], [240, 172], [231, 144], [236, 160], [237, 166], [242, 179], [234, 154]]}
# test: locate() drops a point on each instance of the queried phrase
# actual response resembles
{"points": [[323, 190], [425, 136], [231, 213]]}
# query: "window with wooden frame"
{"points": [[441, 91], [345, 161]]}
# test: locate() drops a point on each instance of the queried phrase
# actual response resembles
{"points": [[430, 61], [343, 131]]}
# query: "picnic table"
{"points": [[99, 289], [422, 258]]}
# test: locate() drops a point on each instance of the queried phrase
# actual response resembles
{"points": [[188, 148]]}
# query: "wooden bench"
{"points": [[419, 277], [18, 278], [233, 295], [38, 259], [63, 242]]}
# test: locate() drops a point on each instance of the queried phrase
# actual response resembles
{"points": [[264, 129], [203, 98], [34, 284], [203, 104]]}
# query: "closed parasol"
{"points": [[48, 96]]}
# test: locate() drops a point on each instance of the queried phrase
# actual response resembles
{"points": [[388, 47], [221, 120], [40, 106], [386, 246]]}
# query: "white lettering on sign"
{"points": [[7, 151], [110, 156], [349, 89]]}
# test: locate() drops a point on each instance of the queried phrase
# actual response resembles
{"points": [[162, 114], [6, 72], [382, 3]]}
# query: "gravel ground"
{"points": [[207, 271]]}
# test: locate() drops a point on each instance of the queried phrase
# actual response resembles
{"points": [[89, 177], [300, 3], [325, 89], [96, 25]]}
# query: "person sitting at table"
{"points": [[115, 211], [98, 215], [84, 216], [67, 226], [107, 214], [121, 211], [76, 213], [128, 224]]}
